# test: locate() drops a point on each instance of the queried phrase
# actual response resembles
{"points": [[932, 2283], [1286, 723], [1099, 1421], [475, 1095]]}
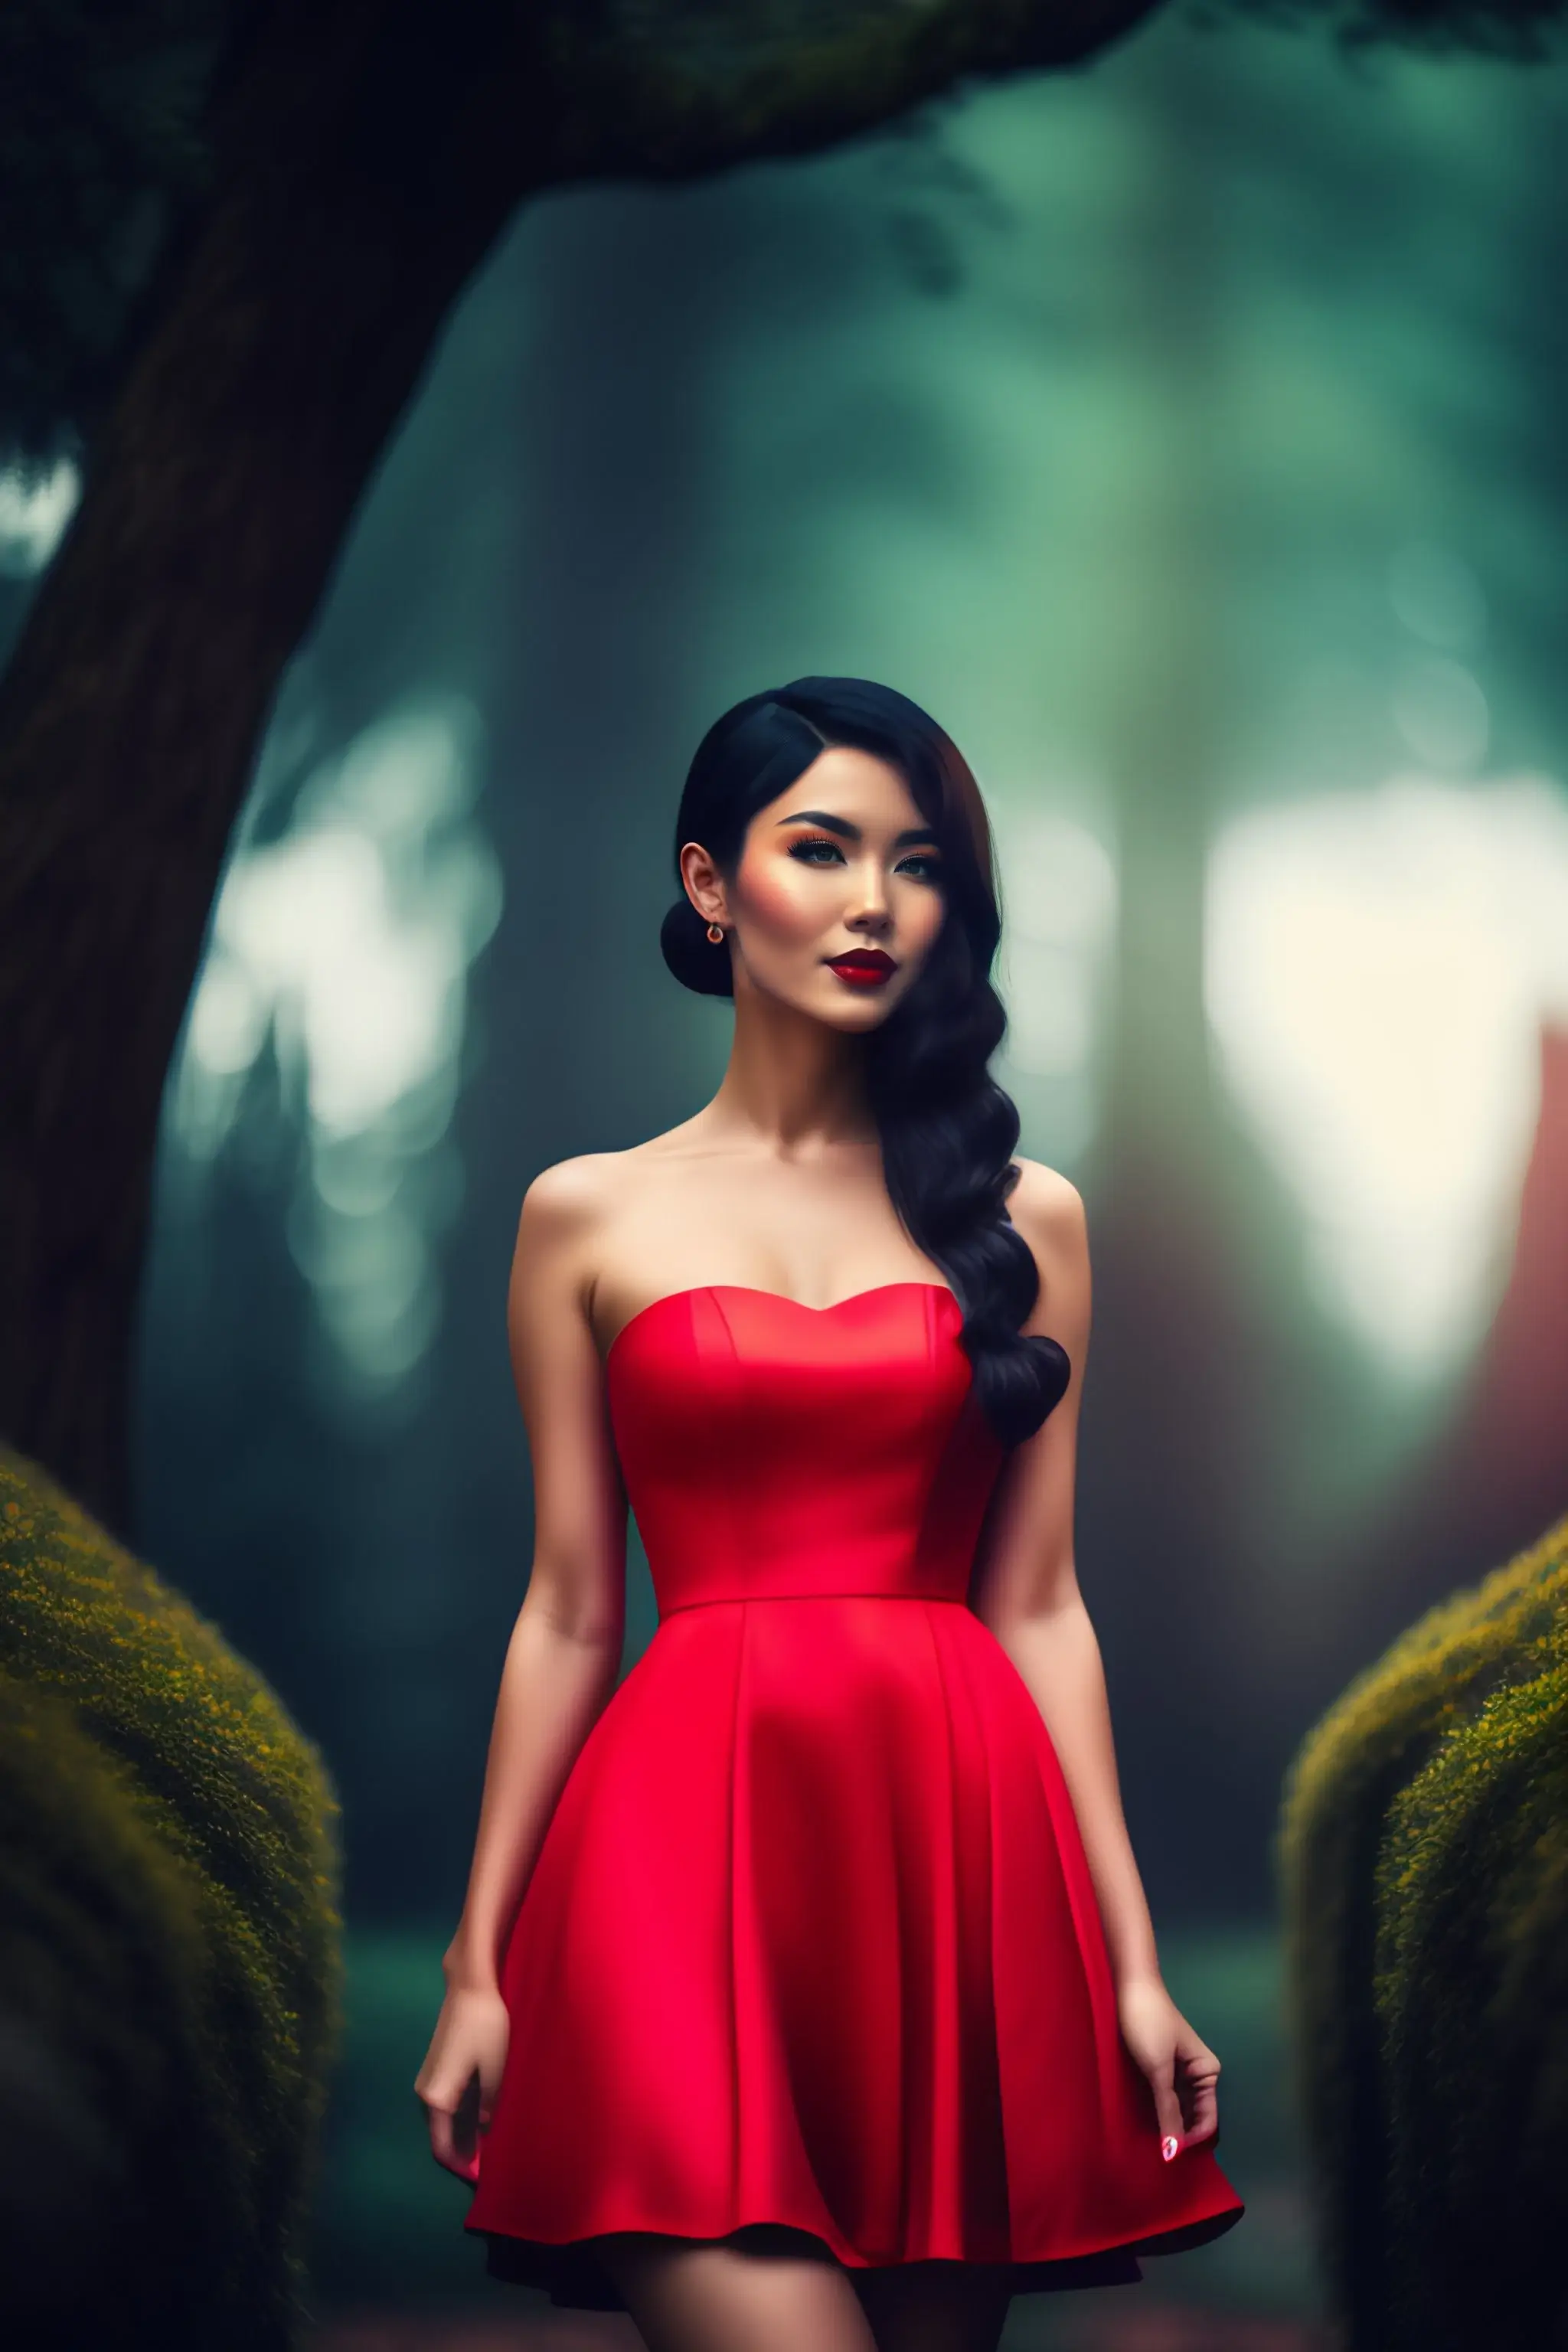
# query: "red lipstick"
{"points": [[864, 967]]}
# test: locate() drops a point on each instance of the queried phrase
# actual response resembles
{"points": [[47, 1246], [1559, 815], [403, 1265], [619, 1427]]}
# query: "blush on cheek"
{"points": [[933, 925], [777, 902]]}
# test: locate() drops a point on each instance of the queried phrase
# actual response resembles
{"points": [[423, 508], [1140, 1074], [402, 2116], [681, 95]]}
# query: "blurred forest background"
{"points": [[1186, 434]]}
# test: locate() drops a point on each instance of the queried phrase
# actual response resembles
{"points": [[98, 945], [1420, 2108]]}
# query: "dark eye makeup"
{"points": [[803, 848]]}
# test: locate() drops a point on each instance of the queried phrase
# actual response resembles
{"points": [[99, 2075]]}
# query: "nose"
{"points": [[870, 910]]}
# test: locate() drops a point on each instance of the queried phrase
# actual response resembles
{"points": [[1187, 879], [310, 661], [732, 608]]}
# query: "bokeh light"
{"points": [[345, 945], [34, 512], [1378, 969]]}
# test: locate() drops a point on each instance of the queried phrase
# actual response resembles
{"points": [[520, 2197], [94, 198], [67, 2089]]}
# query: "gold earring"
{"points": [[716, 933]]}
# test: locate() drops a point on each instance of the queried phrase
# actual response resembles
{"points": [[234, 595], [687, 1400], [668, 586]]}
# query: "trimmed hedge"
{"points": [[170, 1953], [1422, 1858]]}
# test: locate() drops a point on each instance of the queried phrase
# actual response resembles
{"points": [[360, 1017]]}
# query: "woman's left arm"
{"points": [[1024, 1589]]}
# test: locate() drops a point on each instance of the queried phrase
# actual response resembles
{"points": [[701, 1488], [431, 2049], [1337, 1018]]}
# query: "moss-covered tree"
{"points": [[1422, 1855], [170, 1966]]}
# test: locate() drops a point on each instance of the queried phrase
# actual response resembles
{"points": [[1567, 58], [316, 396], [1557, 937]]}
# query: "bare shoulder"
{"points": [[571, 1195], [1048, 1209], [576, 1195], [566, 1211]]}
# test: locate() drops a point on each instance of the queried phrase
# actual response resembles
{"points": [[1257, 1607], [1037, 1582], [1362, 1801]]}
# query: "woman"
{"points": [[805, 1992]]}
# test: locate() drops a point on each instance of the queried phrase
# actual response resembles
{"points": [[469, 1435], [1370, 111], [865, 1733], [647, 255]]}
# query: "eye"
{"points": [[924, 865]]}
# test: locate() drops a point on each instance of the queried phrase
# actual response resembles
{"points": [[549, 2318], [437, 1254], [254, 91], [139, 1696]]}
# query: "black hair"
{"points": [[948, 1131]]}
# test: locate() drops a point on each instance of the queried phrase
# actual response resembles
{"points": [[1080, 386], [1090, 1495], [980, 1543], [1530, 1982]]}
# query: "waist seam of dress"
{"points": [[733, 1599]]}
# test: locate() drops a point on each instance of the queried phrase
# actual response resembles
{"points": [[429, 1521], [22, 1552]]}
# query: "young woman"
{"points": [[806, 1993]]}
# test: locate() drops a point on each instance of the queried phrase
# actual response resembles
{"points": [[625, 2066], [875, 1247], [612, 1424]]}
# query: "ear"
{"points": [[704, 886]]}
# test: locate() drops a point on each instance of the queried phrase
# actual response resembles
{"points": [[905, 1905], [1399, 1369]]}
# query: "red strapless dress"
{"points": [[811, 1938]]}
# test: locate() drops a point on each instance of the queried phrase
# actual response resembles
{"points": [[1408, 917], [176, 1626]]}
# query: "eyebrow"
{"points": [[841, 825]]}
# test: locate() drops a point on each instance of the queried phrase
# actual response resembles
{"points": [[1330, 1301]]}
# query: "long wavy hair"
{"points": [[948, 1131]]}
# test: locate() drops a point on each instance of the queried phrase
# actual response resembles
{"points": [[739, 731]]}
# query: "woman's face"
{"points": [[842, 865]]}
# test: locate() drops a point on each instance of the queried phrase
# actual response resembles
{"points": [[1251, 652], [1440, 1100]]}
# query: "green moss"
{"points": [[1472, 1995], [1421, 1880], [174, 1864], [115, 2182]]}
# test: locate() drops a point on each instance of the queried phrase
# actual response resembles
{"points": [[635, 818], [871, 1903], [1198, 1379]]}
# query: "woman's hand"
{"points": [[461, 2074], [1181, 2070]]}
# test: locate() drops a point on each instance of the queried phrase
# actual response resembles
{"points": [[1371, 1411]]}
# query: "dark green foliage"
{"points": [[1526, 31], [1472, 1996], [170, 1962], [1423, 1866], [100, 145], [106, 136], [103, 2085]]}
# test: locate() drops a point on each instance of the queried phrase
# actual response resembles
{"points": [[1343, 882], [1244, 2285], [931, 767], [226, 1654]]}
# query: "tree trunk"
{"points": [[297, 321]]}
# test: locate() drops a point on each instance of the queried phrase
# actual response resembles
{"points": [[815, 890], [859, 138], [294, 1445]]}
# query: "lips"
{"points": [[864, 967]]}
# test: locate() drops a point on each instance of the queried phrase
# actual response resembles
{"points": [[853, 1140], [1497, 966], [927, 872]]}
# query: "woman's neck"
{"points": [[794, 1086]]}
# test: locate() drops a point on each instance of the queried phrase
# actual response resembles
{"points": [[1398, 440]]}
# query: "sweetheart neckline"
{"points": [[752, 1290]]}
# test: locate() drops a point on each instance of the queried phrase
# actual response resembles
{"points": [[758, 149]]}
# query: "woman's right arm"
{"points": [[564, 1652]]}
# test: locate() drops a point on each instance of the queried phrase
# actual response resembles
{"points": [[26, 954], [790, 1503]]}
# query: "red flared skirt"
{"points": [[812, 1940]]}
